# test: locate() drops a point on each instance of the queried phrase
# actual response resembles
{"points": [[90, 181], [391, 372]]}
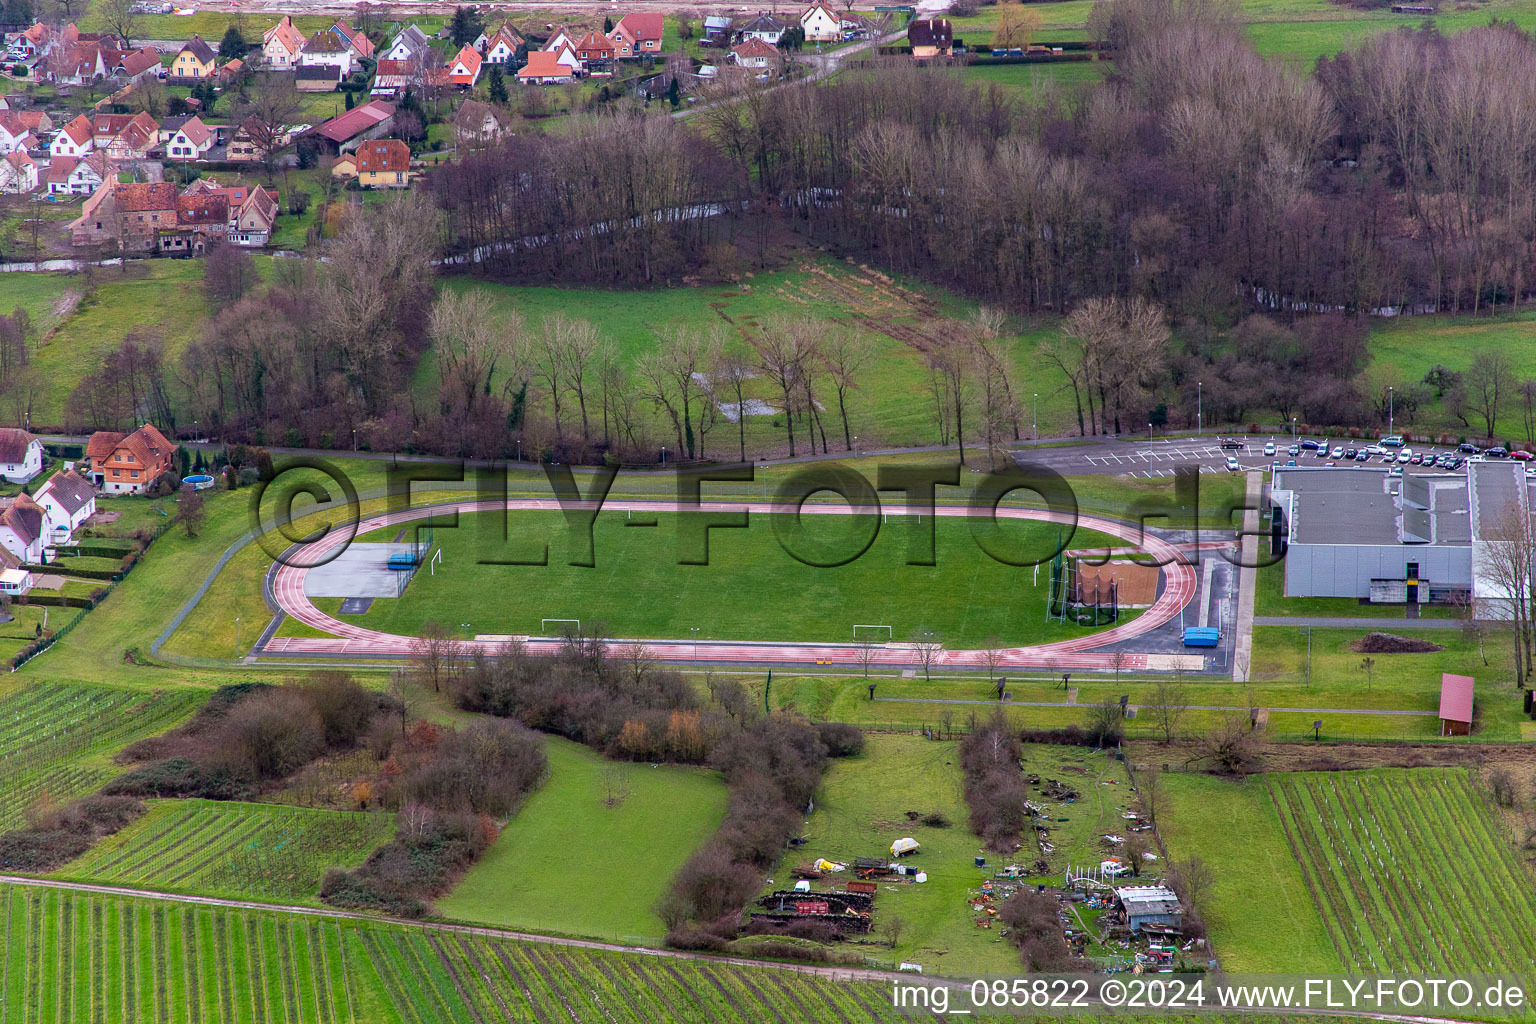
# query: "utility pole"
{"points": [[1390, 410], [1199, 408]]}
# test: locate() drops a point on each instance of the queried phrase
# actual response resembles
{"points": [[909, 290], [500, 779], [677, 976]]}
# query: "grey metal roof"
{"points": [[1361, 506], [1495, 487]]}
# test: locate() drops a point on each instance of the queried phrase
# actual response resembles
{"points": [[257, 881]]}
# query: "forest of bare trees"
{"points": [[1203, 219]]}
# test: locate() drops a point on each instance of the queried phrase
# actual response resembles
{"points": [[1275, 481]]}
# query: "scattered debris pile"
{"points": [[1391, 643], [846, 911]]}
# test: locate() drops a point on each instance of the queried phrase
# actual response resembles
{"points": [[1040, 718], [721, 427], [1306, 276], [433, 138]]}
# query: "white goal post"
{"points": [[437, 556], [861, 625], [545, 622]]}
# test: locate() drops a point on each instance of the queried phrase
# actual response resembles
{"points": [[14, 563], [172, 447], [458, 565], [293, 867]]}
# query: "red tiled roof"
{"points": [[80, 130], [356, 121], [641, 26], [14, 443], [593, 41], [383, 156], [25, 518], [103, 443], [144, 197], [204, 209], [1456, 697], [544, 64], [754, 47], [71, 490]]}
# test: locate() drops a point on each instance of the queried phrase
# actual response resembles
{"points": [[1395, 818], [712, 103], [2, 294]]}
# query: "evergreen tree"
{"points": [[607, 26], [673, 97], [498, 85], [350, 101], [233, 44], [466, 25]]}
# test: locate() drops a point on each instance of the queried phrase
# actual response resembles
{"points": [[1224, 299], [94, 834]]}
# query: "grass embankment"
{"points": [[593, 850]]}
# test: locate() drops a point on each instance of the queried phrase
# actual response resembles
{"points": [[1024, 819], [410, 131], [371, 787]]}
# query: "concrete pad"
{"points": [[362, 570], [355, 606], [1170, 662]]}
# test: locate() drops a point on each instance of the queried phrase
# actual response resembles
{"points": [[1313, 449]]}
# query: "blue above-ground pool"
{"points": [[200, 482]]}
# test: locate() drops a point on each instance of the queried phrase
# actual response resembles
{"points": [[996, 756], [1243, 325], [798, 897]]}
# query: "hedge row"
{"points": [[109, 575]]}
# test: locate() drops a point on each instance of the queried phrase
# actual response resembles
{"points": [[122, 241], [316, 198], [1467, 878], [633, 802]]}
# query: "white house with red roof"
{"points": [[546, 68], [821, 24], [754, 53], [562, 37], [67, 500], [637, 35], [24, 530], [76, 138], [76, 175], [21, 455], [464, 69], [502, 45], [18, 173], [192, 141], [280, 45]]}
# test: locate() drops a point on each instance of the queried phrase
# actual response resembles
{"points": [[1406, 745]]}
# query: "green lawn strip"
{"points": [[1270, 600], [565, 831], [1233, 827], [752, 589]]}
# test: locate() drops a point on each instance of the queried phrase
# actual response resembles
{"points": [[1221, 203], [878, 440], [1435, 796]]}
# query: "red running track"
{"points": [[347, 640]]}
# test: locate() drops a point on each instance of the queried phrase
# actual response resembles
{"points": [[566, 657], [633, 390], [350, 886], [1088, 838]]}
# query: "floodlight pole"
{"points": [[1199, 408], [465, 627], [695, 631], [1034, 420], [1390, 410], [237, 638]]}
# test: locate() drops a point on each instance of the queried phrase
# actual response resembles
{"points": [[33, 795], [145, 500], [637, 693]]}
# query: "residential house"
{"points": [[765, 27], [251, 223], [128, 464], [821, 24], [77, 175], [596, 53], [23, 529], [637, 35], [931, 37], [18, 173], [717, 30], [392, 77], [754, 53], [280, 45], [384, 163], [194, 61], [125, 66], [33, 41], [68, 500], [76, 138], [248, 143], [35, 121], [15, 134], [411, 43], [464, 69], [501, 46], [200, 218], [362, 46], [344, 166], [317, 77], [545, 68], [476, 123], [561, 39], [347, 131], [21, 455], [131, 215], [229, 71], [15, 581], [328, 48], [192, 141], [126, 136]]}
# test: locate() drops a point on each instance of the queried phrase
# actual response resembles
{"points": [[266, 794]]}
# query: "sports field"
{"points": [[752, 588]]}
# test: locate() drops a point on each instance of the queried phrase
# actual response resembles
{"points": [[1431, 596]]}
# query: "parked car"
{"points": [[1310, 445], [1404, 455], [1416, 459], [1497, 452], [1294, 449], [1232, 466], [1362, 456], [1338, 453], [1269, 448], [1523, 456], [1350, 453], [1232, 442], [1468, 447], [1393, 441]]}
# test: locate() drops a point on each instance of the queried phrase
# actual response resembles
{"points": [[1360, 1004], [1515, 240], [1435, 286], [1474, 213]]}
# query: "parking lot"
{"points": [[1164, 458]]}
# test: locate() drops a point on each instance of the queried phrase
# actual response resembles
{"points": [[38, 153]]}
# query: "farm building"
{"points": [[1412, 539], [1154, 907], [1455, 704]]}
